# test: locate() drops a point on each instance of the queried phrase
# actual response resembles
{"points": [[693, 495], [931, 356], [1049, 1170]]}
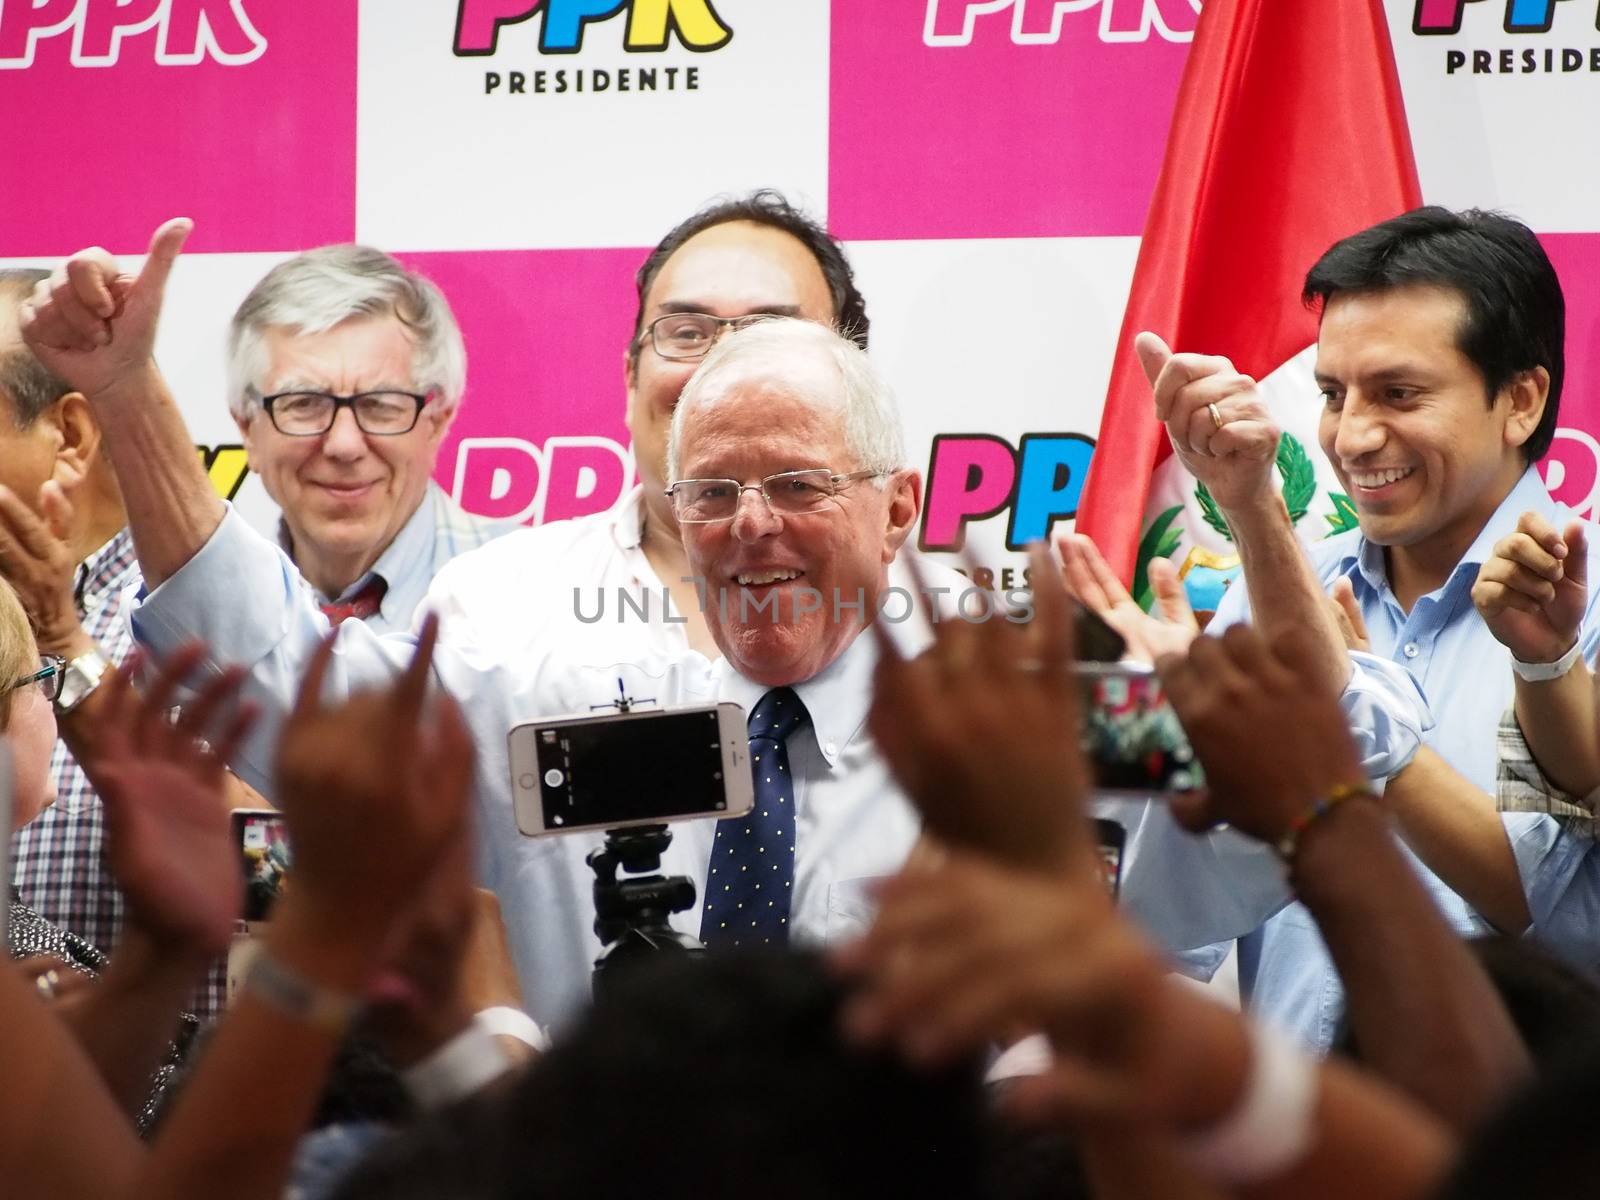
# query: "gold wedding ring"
{"points": [[1216, 416], [47, 983]]}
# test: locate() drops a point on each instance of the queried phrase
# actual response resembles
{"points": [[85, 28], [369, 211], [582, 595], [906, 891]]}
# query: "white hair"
{"points": [[315, 291], [762, 351]]}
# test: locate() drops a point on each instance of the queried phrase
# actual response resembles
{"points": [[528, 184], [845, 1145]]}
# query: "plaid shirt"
{"points": [[1520, 786], [60, 865]]}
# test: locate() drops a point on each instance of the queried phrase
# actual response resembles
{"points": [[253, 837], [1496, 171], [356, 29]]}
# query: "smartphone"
{"points": [[263, 842], [1111, 837], [1133, 739], [640, 768]]}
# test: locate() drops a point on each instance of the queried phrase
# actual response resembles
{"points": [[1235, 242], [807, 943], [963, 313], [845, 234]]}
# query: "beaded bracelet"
{"points": [[1288, 846]]}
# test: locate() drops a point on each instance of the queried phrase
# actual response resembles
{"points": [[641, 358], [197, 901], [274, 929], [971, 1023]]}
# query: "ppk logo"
{"points": [[1445, 18], [188, 31], [650, 25], [975, 476], [1045, 22], [1521, 16]]}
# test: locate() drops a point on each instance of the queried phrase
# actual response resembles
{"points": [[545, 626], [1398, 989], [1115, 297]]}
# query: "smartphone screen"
{"points": [[263, 841], [1130, 733], [640, 767]]}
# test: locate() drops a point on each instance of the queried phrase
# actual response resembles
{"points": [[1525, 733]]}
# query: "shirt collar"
{"points": [[408, 556], [107, 570], [627, 520], [837, 698], [1529, 494]]}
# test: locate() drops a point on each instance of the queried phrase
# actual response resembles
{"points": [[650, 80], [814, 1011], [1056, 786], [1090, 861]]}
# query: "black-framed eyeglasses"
{"points": [[308, 414], [688, 335], [47, 677], [788, 494]]}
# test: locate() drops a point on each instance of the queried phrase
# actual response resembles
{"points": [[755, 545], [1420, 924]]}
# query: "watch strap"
{"points": [[79, 678]]}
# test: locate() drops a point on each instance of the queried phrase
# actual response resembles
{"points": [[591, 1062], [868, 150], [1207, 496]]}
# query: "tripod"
{"points": [[631, 914]]}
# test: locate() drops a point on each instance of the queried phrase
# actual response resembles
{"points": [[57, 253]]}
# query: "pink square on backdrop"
{"points": [[995, 139], [260, 154], [1572, 468], [546, 331]]}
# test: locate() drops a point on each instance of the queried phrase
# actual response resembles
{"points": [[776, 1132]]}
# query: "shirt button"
{"points": [[832, 749], [1412, 650]]}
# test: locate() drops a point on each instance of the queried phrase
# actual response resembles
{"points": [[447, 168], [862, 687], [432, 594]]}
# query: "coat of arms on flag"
{"points": [[1289, 134]]}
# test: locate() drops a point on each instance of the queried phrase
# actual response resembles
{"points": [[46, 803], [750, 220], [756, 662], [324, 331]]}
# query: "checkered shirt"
{"points": [[1520, 786], [59, 856]]}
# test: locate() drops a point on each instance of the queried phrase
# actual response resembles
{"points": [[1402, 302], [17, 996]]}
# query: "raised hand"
{"points": [[37, 562], [169, 845], [1347, 615], [1092, 582], [982, 730], [1218, 422], [1267, 728], [966, 952], [375, 792], [94, 324], [1532, 590]]}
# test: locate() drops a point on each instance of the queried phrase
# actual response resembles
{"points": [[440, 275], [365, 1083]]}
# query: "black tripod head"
{"points": [[632, 914]]}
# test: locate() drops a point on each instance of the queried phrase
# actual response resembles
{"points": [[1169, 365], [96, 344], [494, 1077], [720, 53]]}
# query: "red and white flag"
{"points": [[1289, 134]]}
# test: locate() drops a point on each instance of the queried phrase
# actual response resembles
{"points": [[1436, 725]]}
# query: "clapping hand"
{"points": [[1272, 738], [982, 730], [375, 791], [169, 844], [967, 953], [37, 562], [1532, 590], [1093, 583]]}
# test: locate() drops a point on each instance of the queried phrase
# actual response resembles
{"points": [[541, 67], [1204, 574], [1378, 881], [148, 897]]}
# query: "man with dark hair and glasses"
{"points": [[344, 372]]}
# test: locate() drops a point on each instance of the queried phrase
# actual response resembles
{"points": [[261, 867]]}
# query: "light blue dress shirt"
{"points": [[1466, 675]]}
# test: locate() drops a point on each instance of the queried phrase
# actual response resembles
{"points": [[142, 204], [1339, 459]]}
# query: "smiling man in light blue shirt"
{"points": [[1440, 359]]}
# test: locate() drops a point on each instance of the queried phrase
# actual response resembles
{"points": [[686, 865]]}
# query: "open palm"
{"points": [[170, 847]]}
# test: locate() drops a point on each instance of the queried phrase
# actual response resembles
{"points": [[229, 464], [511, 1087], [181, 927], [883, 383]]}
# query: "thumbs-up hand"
{"points": [[1217, 420], [94, 324]]}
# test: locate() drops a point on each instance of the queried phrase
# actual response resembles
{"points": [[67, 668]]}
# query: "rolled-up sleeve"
{"points": [[1387, 714], [245, 600]]}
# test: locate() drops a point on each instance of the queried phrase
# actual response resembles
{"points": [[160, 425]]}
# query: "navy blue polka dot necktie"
{"points": [[752, 859]]}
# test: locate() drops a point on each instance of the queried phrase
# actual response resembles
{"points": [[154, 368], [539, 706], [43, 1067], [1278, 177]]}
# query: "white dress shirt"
{"points": [[512, 652]]}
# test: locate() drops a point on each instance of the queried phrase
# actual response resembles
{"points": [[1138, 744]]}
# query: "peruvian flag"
{"points": [[1289, 134]]}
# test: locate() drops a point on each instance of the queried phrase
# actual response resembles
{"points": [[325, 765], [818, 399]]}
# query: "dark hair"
{"points": [[745, 1045], [1554, 1005], [31, 388], [771, 208], [1540, 1147], [1516, 315]]}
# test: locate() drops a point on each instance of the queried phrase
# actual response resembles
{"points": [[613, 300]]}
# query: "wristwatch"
{"points": [[80, 677]]}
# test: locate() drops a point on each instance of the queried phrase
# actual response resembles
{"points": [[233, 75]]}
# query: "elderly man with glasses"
{"points": [[734, 262], [344, 372]]}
